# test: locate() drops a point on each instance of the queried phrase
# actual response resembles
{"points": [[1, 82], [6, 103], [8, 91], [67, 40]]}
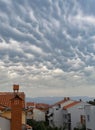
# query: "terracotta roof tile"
{"points": [[28, 104], [59, 103], [71, 104], [41, 105], [5, 98], [1, 108]]}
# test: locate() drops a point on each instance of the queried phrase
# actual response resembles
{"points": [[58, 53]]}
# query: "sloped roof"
{"points": [[61, 102], [2, 107], [71, 105], [40, 106], [5, 98], [43, 105], [30, 104]]}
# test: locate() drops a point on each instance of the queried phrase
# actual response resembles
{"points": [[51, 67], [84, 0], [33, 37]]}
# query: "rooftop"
{"points": [[71, 105], [5, 98]]}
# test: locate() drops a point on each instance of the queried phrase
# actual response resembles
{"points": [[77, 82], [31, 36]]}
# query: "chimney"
{"points": [[15, 88], [16, 110], [65, 99], [68, 98]]}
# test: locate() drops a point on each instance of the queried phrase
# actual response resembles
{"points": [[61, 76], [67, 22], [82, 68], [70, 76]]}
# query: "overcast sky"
{"points": [[48, 47]]}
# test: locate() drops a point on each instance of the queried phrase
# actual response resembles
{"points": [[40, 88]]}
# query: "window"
{"points": [[69, 117], [82, 119], [88, 118], [65, 116]]}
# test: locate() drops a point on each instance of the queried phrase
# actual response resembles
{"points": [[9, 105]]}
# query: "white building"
{"points": [[55, 113], [37, 111], [4, 123], [38, 114], [55, 117], [74, 115], [90, 117], [67, 113]]}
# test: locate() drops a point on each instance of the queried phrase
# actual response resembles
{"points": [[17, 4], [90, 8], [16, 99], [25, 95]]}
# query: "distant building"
{"points": [[36, 111]]}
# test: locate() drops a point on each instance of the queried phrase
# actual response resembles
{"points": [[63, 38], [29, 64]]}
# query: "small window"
{"points": [[82, 119], [65, 116], [88, 118], [69, 117]]}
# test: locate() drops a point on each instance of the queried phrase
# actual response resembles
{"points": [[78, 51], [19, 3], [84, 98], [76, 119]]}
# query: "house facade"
{"points": [[90, 117], [74, 115], [38, 114], [55, 117], [55, 113]]}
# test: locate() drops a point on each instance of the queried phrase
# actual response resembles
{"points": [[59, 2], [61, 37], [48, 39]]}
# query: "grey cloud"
{"points": [[48, 43], [89, 6]]}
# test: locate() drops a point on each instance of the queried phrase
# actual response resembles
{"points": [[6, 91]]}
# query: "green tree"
{"points": [[40, 125]]}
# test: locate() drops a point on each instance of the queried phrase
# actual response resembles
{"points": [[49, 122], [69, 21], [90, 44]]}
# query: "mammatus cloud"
{"points": [[48, 47]]}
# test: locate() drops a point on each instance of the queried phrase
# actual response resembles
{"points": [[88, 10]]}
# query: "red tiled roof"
{"points": [[40, 106], [28, 104], [71, 104], [1, 108], [5, 98], [60, 102]]}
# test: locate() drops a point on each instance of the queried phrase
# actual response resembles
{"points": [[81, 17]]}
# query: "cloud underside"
{"points": [[49, 44]]}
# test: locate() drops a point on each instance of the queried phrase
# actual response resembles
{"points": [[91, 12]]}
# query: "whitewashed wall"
{"points": [[4, 124], [90, 117], [76, 112], [38, 115]]}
